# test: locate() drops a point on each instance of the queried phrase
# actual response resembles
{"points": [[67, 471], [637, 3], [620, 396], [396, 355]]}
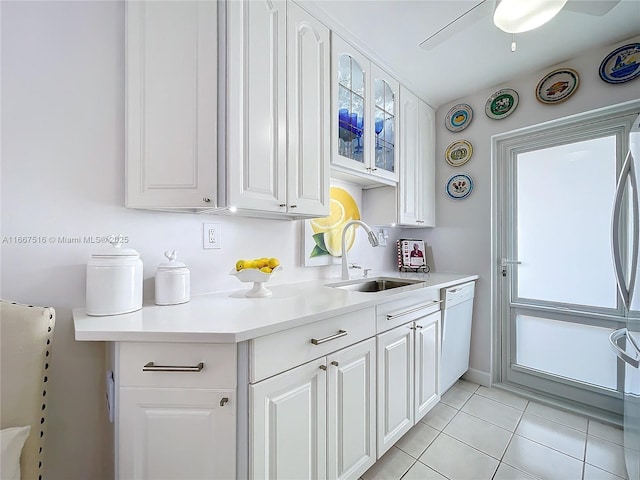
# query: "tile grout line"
{"points": [[513, 434], [511, 438]]}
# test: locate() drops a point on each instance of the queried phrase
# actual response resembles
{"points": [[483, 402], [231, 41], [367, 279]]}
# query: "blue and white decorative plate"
{"points": [[621, 65], [459, 186], [459, 117]]}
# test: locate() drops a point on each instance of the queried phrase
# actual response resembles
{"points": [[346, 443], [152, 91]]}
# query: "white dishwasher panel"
{"points": [[456, 332]]}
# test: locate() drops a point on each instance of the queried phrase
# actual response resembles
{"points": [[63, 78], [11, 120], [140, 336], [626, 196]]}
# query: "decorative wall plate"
{"points": [[458, 153], [621, 65], [459, 117], [501, 104], [459, 186], [557, 86]]}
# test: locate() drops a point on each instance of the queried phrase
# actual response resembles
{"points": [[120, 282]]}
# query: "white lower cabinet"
{"points": [[174, 433], [408, 372], [317, 420], [395, 386], [288, 424], [351, 410], [427, 364], [175, 410]]}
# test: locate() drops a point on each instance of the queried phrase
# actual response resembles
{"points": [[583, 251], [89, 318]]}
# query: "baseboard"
{"points": [[478, 376]]}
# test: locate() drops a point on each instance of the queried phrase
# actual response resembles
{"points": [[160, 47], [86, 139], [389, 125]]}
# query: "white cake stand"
{"points": [[258, 278]]}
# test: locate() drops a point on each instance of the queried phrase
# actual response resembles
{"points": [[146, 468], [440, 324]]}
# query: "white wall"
{"points": [[461, 241], [63, 175]]}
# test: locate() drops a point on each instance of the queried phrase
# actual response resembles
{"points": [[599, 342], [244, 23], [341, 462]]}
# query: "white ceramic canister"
{"points": [[114, 281], [172, 281]]}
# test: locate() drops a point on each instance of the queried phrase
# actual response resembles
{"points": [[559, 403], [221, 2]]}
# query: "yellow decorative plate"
{"points": [[458, 153]]}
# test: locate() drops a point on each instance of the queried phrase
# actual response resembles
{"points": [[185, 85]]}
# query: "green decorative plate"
{"points": [[501, 104]]}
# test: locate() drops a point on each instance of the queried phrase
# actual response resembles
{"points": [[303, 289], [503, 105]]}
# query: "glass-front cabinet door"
{"points": [[384, 151], [364, 113], [351, 113]]}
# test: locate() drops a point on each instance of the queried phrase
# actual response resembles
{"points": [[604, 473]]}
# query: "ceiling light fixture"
{"points": [[517, 16]]}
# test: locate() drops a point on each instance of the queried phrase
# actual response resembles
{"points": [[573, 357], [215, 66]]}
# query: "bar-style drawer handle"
{"points": [[413, 310], [151, 367], [341, 333]]}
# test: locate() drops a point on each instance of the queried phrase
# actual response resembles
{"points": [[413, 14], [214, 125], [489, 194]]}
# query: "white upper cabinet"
{"points": [[256, 105], [277, 93], [417, 173], [364, 118], [171, 104], [412, 202], [426, 196], [273, 67], [309, 100]]}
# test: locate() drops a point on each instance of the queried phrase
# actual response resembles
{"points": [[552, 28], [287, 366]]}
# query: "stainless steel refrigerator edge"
{"points": [[626, 341]]}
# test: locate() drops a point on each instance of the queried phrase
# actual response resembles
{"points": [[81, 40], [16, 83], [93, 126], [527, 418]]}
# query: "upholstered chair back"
{"points": [[25, 357]]}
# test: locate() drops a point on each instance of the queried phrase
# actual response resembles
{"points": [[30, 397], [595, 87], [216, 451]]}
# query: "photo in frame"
{"points": [[412, 255]]}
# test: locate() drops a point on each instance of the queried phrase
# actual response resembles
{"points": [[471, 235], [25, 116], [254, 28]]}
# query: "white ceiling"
{"points": [[475, 57]]}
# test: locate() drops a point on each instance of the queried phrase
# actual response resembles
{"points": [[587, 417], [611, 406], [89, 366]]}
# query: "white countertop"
{"points": [[230, 317]]}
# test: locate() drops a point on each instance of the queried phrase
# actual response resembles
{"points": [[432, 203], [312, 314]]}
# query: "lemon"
{"points": [[240, 264], [333, 240], [273, 262], [266, 270], [249, 264], [336, 217], [261, 262], [349, 205]]}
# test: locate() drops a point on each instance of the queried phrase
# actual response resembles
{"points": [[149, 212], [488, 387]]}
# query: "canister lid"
{"points": [[116, 250], [171, 264]]}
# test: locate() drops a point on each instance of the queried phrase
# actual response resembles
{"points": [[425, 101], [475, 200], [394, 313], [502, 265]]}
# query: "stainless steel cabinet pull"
{"points": [[334, 363], [419, 326], [223, 401], [413, 310], [341, 333], [206, 200], [293, 206], [323, 367], [282, 205], [152, 367]]}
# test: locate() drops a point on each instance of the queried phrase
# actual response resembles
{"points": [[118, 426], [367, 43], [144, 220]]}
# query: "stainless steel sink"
{"points": [[374, 284]]}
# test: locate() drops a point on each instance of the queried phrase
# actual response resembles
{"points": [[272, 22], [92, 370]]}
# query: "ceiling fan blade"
{"points": [[481, 10], [592, 7]]}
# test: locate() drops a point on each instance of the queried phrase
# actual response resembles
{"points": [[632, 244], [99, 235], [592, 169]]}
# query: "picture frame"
{"points": [[412, 255]]}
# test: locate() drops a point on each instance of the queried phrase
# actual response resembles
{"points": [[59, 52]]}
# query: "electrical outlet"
{"points": [[211, 235]]}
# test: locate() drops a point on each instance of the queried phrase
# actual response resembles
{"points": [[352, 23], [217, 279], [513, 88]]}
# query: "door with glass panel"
{"points": [[558, 297]]}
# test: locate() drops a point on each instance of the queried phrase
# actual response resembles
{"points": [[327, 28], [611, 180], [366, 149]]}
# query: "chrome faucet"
{"points": [[373, 240]]}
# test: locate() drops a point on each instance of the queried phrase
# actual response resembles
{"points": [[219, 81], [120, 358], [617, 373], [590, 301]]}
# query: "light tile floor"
{"points": [[477, 433]]}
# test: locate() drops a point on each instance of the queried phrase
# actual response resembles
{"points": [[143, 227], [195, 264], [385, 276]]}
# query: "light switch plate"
{"points": [[211, 236]]}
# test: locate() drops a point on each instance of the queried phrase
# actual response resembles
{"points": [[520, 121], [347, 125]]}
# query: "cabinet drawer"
{"points": [[281, 351], [398, 312], [218, 365]]}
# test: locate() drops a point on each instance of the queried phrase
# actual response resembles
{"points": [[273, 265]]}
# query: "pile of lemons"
{"points": [[266, 265], [342, 208]]}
